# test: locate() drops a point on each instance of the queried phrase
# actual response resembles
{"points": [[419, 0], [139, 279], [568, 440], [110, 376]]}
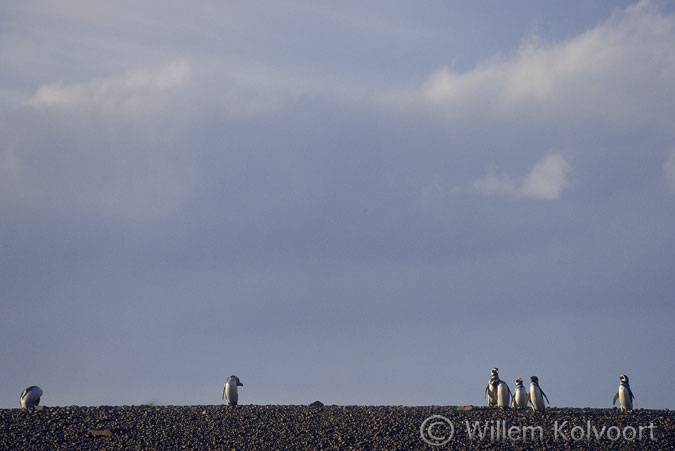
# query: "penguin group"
{"points": [[498, 394]]}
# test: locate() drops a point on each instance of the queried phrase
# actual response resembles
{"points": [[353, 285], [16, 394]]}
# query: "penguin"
{"points": [[536, 395], [519, 400], [503, 394], [624, 395], [230, 390], [30, 397], [491, 389]]}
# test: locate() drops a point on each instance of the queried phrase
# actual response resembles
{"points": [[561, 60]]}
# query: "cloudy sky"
{"points": [[353, 202]]}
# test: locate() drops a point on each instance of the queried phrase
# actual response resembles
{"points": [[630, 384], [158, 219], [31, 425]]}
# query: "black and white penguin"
{"points": [[536, 395], [30, 397], [491, 389], [230, 390], [625, 395], [519, 395], [503, 394]]}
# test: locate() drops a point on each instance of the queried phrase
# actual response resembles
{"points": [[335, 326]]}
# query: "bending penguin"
{"points": [[625, 395], [30, 397], [520, 395], [230, 390], [536, 395], [491, 389]]}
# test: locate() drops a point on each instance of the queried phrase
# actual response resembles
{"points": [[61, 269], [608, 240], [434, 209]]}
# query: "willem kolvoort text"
{"points": [[562, 431]]}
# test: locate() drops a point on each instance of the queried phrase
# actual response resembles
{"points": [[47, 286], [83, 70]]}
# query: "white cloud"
{"points": [[493, 184], [138, 91], [546, 180], [608, 72], [102, 147], [141, 92]]}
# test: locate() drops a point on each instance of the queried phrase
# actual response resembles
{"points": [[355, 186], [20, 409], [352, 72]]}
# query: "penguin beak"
{"points": [[239, 384]]}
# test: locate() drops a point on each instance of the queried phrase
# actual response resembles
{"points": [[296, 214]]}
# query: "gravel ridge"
{"points": [[299, 427]]}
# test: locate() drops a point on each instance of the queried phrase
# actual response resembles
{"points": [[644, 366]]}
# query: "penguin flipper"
{"points": [[528, 400], [616, 396], [544, 395], [224, 386], [630, 392]]}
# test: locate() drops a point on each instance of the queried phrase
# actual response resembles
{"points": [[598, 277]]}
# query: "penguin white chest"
{"points": [[536, 397], [520, 397], [231, 392], [624, 398], [491, 389], [492, 395], [503, 394]]}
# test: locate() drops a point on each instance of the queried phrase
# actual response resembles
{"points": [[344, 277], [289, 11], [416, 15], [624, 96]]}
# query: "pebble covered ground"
{"points": [[275, 427]]}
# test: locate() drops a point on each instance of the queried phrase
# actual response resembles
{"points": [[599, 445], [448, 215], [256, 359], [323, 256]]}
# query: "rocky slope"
{"points": [[261, 427]]}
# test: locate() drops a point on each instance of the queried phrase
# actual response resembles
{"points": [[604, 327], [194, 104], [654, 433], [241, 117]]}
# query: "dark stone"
{"points": [[263, 427]]}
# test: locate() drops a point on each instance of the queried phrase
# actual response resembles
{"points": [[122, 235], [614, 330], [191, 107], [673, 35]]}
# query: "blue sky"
{"points": [[355, 202]]}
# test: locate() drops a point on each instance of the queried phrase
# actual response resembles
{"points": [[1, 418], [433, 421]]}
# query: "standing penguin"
{"points": [[536, 395], [491, 389], [230, 390], [519, 396], [30, 397], [625, 395], [503, 394]]}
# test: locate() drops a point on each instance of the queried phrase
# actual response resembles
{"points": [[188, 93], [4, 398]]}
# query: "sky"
{"points": [[368, 203]]}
